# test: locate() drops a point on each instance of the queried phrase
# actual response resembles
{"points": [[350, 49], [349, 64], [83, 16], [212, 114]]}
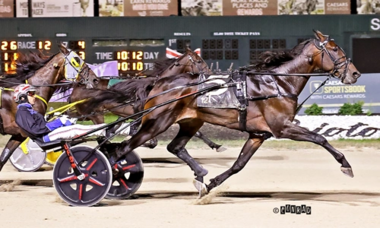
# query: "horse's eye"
{"points": [[335, 48]]}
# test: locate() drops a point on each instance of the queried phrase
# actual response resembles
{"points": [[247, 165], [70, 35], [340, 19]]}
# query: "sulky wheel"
{"points": [[28, 157], [95, 185], [128, 178]]}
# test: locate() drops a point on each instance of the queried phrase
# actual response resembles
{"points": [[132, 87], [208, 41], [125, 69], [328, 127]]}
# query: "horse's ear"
{"points": [[63, 49], [319, 36]]}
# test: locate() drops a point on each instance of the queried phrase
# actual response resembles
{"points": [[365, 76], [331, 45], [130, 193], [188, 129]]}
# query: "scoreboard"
{"points": [[136, 43], [131, 59]]}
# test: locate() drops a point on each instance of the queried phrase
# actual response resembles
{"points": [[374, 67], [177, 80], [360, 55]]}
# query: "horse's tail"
{"points": [[135, 90]]}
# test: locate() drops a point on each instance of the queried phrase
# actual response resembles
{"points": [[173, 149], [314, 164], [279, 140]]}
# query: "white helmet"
{"points": [[22, 89]]}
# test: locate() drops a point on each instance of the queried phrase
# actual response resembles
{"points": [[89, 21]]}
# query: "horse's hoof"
{"points": [[220, 149], [347, 171], [201, 187]]}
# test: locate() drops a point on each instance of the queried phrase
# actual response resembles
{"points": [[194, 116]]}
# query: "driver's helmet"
{"points": [[22, 89]]}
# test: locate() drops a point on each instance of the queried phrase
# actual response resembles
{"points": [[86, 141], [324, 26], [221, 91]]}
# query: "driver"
{"points": [[35, 125]]}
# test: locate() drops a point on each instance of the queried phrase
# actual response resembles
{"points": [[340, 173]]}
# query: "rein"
{"points": [[44, 85], [293, 74]]}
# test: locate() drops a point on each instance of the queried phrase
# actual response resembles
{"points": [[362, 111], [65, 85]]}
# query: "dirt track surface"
{"points": [[273, 178]]}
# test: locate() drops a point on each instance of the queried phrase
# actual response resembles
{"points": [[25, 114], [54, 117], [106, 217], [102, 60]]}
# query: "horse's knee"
{"points": [[319, 139]]}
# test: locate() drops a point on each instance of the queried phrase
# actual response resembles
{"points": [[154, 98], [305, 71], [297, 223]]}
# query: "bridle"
{"points": [[197, 63], [339, 63], [80, 68]]}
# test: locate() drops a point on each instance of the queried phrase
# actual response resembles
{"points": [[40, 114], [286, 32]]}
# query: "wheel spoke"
{"points": [[80, 191], [123, 183], [67, 179], [95, 181], [129, 167], [92, 164]]}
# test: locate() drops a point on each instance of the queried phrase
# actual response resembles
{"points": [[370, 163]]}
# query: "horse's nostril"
{"points": [[357, 74]]}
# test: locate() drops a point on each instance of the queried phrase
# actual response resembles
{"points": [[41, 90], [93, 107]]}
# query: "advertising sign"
{"points": [[263, 7], [368, 6], [6, 8], [249, 7], [298, 7], [202, 8], [111, 8], [56, 8], [144, 8], [136, 8], [334, 94]]}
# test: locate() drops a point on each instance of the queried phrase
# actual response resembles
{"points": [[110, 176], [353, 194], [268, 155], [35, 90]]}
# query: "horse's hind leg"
{"points": [[295, 132], [211, 144], [12, 144], [250, 147], [177, 146]]}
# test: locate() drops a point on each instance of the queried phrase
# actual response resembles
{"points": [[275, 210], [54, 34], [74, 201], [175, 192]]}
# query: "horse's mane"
{"points": [[26, 66], [160, 66], [135, 90], [272, 59]]}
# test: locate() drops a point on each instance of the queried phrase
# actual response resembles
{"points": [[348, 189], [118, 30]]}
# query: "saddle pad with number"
{"points": [[219, 98]]}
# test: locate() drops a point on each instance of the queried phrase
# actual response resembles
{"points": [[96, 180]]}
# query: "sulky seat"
{"points": [[47, 145]]}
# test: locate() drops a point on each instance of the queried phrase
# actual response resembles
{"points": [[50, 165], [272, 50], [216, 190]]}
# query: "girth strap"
{"points": [[292, 96], [240, 78]]}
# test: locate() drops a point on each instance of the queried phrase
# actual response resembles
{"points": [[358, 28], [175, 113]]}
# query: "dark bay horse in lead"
{"points": [[270, 90]]}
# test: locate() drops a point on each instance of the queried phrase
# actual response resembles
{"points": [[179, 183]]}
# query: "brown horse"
{"points": [[188, 62], [270, 111], [38, 70]]}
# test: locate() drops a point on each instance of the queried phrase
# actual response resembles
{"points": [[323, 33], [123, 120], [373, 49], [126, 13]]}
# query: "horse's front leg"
{"points": [[295, 132], [177, 146], [249, 148], [12, 144], [211, 144]]}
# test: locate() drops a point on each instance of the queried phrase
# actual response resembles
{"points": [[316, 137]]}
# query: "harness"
{"points": [[240, 90]]}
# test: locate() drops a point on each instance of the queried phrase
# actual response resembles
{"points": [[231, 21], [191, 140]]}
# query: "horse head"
{"points": [[195, 63], [329, 57], [77, 70], [189, 62]]}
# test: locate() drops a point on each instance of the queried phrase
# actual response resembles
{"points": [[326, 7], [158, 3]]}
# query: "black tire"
{"points": [[129, 178], [93, 188]]}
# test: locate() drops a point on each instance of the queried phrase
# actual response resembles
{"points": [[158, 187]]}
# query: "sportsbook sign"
{"points": [[334, 93]]}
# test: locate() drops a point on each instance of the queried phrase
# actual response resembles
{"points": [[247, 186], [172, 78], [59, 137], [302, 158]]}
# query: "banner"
{"points": [[342, 127], [6, 8], [56, 8], [263, 7], [334, 94], [368, 6], [249, 7], [109, 8], [202, 7], [299, 7], [106, 69], [137, 8]]}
